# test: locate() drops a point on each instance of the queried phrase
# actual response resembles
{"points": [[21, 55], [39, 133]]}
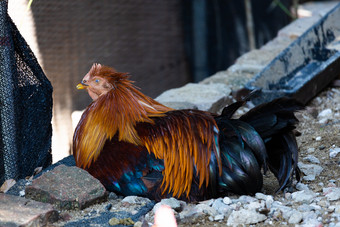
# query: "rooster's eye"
{"points": [[97, 81]]}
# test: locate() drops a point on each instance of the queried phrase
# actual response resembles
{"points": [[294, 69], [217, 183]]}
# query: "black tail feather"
{"points": [[274, 117], [262, 136], [283, 158]]}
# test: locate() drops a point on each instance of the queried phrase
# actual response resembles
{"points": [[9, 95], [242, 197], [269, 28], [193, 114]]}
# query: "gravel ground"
{"points": [[314, 202]]}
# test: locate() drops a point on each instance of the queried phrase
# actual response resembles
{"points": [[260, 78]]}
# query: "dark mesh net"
{"points": [[25, 105]]}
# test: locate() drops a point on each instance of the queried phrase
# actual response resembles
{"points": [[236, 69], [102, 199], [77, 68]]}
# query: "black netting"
{"points": [[25, 105]]}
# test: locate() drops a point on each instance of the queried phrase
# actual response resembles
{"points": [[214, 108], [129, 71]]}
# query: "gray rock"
{"points": [[295, 218], [305, 208], [309, 177], [303, 196], [256, 205], [219, 217], [112, 196], [136, 200], [334, 152], [189, 212], [309, 217], [327, 113], [67, 187], [208, 202], [331, 193], [220, 206], [310, 169], [173, 203], [18, 211], [312, 159], [301, 187], [204, 208], [286, 211], [260, 195], [269, 201], [311, 150], [246, 199], [244, 216], [315, 206], [208, 97]]}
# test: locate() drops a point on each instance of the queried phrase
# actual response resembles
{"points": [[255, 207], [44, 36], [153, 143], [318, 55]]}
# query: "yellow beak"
{"points": [[81, 86]]}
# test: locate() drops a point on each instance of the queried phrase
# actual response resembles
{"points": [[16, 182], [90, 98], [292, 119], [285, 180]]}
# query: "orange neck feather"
{"points": [[116, 112]]}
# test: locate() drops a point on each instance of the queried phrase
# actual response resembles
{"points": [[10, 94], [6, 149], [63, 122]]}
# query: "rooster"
{"points": [[136, 146]]}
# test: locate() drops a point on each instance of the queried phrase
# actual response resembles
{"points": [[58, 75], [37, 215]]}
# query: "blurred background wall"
{"points": [[163, 44]]}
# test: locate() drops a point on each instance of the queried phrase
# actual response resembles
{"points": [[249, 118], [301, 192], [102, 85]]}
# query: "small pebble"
{"points": [[327, 113], [288, 195], [269, 201], [22, 193], [260, 195], [300, 186], [114, 221], [219, 217], [318, 138], [113, 195], [312, 159], [108, 207], [334, 152], [311, 150], [295, 218], [227, 200], [322, 147]]}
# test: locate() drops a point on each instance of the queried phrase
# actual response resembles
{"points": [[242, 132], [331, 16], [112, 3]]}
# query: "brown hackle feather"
{"points": [[184, 139]]}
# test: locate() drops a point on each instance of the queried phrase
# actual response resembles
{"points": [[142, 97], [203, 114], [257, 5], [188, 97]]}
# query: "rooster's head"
{"points": [[100, 80]]}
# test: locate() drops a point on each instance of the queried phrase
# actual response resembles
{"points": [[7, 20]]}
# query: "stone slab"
{"points": [[207, 97], [67, 187], [19, 211]]}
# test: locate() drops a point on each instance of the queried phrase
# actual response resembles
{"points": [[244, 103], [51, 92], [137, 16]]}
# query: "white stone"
{"points": [[323, 121], [332, 193], [288, 195], [256, 205], [189, 212], [334, 152], [269, 201], [208, 202], [260, 195], [310, 169], [309, 177], [303, 196], [208, 97], [22, 193], [295, 218], [227, 200], [220, 206], [247, 217], [173, 203], [312, 159], [318, 138], [203, 208], [135, 200], [315, 206], [326, 113], [219, 217], [246, 199], [300, 186], [311, 150]]}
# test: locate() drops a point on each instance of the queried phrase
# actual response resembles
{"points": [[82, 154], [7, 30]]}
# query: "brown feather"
{"points": [[184, 139]]}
